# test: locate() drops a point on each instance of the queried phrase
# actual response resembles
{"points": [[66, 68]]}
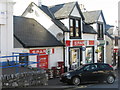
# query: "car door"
{"points": [[102, 72], [86, 74], [94, 75]]}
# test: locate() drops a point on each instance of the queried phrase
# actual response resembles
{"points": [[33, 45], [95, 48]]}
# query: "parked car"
{"points": [[89, 72]]}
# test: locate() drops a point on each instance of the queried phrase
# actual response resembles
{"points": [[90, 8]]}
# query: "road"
{"points": [[56, 84]]}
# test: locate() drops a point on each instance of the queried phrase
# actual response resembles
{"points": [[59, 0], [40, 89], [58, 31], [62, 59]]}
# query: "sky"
{"points": [[109, 7]]}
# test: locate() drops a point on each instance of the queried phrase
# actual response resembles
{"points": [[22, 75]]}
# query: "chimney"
{"points": [[82, 7], [39, 3]]}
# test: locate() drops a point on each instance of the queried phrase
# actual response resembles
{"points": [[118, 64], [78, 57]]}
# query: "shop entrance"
{"points": [[75, 58]]}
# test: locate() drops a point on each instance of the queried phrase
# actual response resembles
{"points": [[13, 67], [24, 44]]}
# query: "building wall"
{"points": [[53, 58], [75, 12], [109, 50], [6, 27]]}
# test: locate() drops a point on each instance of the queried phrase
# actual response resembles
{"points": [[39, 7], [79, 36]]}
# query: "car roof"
{"points": [[96, 64]]}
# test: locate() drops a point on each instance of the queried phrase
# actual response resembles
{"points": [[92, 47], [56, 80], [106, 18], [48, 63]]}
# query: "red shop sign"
{"points": [[68, 42], [91, 42], [43, 61], [38, 51], [78, 42]]}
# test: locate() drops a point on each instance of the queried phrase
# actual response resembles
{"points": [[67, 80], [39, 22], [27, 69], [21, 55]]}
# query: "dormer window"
{"points": [[100, 31], [75, 28]]}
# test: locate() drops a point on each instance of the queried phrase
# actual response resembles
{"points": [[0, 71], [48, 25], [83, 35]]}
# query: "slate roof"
{"points": [[108, 32], [31, 34], [92, 16], [88, 29], [110, 36], [62, 11]]}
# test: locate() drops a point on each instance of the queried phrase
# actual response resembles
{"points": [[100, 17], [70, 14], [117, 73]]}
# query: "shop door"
{"points": [[42, 61], [74, 58]]}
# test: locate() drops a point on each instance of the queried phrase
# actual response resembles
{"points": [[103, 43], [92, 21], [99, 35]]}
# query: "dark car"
{"points": [[89, 72]]}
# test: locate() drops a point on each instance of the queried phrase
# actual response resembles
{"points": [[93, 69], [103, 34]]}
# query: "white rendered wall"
{"points": [[44, 20], [75, 12], [6, 27]]}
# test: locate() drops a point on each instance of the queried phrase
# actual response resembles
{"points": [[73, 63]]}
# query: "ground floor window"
{"points": [[89, 55], [100, 52], [23, 59], [75, 57]]}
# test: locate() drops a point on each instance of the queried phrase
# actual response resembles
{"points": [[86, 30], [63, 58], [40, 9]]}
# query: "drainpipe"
{"points": [[64, 50]]}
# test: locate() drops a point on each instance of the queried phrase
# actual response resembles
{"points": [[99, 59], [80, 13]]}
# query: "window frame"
{"points": [[100, 30], [75, 19]]}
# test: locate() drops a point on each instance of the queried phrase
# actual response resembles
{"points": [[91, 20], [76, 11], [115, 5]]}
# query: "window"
{"points": [[104, 66], [100, 31], [87, 68], [100, 54], [89, 54], [93, 67], [75, 28]]}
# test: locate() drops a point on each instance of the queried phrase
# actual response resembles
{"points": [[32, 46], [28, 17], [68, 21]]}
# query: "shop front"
{"points": [[80, 52], [42, 57]]}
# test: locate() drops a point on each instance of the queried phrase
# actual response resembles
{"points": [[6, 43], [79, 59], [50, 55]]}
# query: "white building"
{"points": [[84, 44], [6, 27]]}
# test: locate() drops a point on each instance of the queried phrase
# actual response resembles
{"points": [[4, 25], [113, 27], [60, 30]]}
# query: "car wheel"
{"points": [[110, 79], [76, 81]]}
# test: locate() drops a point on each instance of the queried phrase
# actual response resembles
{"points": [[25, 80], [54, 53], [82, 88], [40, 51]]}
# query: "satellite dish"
{"points": [[59, 36], [30, 10]]}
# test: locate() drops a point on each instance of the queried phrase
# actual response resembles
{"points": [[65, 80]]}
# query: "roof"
{"points": [[110, 36], [88, 29], [92, 16], [31, 34], [46, 10], [108, 27], [62, 11]]}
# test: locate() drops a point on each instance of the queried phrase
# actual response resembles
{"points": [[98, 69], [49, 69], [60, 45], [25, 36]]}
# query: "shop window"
{"points": [[89, 55], [75, 28], [100, 31], [100, 54], [23, 59]]}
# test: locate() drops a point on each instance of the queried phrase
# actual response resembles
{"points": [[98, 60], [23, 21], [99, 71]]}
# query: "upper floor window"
{"points": [[75, 28], [100, 31]]}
